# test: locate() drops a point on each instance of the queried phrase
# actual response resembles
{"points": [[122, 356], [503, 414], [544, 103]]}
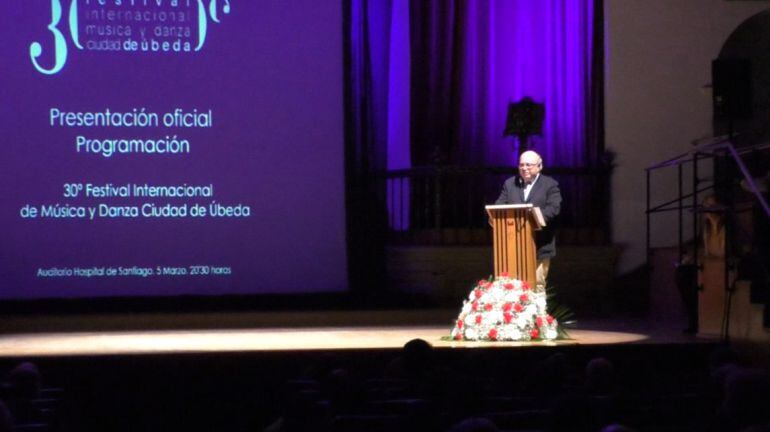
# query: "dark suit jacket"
{"points": [[544, 194]]}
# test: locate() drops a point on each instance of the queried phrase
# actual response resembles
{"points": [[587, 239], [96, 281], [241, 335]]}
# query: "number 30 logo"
{"points": [[60, 43]]}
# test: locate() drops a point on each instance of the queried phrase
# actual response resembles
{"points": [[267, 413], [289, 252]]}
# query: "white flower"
{"points": [[530, 310], [495, 296], [493, 317], [466, 308], [509, 332], [522, 320], [512, 296], [492, 296], [470, 320]]}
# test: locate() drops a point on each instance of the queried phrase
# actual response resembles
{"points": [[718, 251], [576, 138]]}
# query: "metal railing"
{"points": [[722, 150], [445, 204], [719, 147]]}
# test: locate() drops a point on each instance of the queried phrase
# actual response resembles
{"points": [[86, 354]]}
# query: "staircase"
{"points": [[739, 312], [732, 241]]}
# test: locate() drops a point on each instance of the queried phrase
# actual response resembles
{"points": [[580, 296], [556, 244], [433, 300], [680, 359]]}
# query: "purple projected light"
{"points": [[541, 49], [399, 113], [165, 148]]}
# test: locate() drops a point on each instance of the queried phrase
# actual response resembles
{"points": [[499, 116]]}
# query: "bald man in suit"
{"points": [[532, 187]]}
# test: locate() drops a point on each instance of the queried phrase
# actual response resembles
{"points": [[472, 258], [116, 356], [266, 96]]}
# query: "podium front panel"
{"points": [[514, 244]]}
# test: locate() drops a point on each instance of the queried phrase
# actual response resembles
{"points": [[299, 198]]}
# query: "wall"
{"points": [[658, 60], [581, 280]]}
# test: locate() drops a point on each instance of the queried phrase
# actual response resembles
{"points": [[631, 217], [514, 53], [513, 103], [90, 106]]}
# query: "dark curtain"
{"points": [[365, 146], [470, 58], [466, 60], [434, 42]]}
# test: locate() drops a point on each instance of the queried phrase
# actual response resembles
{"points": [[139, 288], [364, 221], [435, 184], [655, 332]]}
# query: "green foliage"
{"points": [[560, 312]]}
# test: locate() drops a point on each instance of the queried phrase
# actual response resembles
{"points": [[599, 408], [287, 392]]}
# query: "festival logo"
{"points": [[133, 26]]}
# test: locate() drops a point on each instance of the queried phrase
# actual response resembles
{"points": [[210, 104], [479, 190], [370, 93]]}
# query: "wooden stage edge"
{"points": [[49, 335], [282, 339]]}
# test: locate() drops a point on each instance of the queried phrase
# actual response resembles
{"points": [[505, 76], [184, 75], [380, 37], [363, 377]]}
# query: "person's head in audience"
{"points": [[746, 398], [475, 424], [758, 428], [615, 427], [297, 410], [600, 376], [722, 356], [341, 388], [723, 361], [25, 381], [418, 351], [551, 375], [321, 366], [416, 358], [6, 422]]}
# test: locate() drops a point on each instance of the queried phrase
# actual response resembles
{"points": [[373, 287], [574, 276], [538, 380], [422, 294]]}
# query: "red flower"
{"points": [[459, 323], [534, 333], [508, 286], [504, 274], [507, 316], [507, 307], [459, 336], [488, 307], [523, 298], [487, 285], [549, 319], [478, 319], [525, 285], [474, 306], [481, 282], [493, 334], [478, 293], [539, 321], [518, 307]]}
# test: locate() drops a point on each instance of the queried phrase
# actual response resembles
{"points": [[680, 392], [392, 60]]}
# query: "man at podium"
{"points": [[532, 187]]}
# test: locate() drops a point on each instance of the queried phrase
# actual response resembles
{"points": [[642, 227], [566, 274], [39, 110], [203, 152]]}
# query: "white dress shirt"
{"points": [[528, 187]]}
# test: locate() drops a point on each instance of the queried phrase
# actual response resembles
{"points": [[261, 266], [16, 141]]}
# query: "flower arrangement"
{"points": [[505, 309]]}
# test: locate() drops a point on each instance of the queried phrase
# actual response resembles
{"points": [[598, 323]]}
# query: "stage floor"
{"points": [[147, 342]]}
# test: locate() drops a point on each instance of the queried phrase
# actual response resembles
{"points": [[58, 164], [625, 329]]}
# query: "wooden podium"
{"points": [[513, 231]]}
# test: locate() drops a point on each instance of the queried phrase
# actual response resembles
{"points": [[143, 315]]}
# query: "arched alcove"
{"points": [[750, 42]]}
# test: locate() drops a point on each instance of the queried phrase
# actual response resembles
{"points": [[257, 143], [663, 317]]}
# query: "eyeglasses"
{"points": [[527, 165]]}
